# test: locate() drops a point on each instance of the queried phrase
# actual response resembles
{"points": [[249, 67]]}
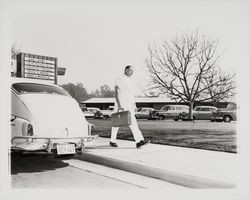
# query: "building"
{"points": [[152, 102]]}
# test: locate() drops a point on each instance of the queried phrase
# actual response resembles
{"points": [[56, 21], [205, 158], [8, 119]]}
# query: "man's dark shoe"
{"points": [[141, 143], [113, 144]]}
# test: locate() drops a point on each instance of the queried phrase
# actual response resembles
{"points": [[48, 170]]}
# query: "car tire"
{"points": [[178, 117], [227, 118], [161, 117]]}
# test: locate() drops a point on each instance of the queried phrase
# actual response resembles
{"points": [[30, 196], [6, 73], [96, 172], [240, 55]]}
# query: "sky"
{"points": [[95, 40]]}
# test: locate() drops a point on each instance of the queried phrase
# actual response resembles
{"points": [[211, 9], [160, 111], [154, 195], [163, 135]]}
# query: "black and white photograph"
{"points": [[124, 99]]}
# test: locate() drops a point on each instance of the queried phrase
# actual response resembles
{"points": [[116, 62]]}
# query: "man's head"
{"points": [[128, 71]]}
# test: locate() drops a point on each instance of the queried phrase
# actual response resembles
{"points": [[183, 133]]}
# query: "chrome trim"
{"points": [[52, 140]]}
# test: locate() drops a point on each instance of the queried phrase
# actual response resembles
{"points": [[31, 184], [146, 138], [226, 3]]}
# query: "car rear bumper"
{"points": [[49, 145]]}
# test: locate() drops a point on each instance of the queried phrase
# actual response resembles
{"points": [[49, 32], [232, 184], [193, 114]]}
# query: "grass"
{"points": [[202, 135]]}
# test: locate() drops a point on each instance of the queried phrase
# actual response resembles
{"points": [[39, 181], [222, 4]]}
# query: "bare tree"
{"points": [[221, 90], [14, 52], [106, 91], [77, 91], [186, 69]]}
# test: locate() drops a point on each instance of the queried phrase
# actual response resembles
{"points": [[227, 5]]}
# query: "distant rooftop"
{"points": [[137, 100]]}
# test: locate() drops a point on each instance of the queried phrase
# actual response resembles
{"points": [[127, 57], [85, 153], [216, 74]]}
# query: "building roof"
{"points": [[137, 100]]}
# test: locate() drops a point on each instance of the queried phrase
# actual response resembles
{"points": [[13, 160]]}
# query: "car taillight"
{"points": [[91, 128], [27, 129], [30, 130]]}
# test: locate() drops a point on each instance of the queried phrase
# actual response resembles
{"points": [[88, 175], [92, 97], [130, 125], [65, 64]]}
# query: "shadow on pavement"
{"points": [[30, 163], [109, 147]]}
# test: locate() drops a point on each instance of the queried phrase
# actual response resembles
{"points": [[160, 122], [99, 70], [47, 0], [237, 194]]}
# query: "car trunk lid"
{"points": [[56, 115]]}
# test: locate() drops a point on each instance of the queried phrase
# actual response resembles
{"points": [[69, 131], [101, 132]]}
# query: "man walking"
{"points": [[124, 94]]}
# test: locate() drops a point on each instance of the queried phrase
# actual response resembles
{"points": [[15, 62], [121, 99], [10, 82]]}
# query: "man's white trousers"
{"points": [[134, 128]]}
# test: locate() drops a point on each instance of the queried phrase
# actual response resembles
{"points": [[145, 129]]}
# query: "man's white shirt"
{"points": [[126, 90]]}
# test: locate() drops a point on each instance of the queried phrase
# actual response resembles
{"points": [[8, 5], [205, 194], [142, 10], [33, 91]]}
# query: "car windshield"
{"points": [[84, 109], [139, 109], [231, 106], [204, 109], [93, 109], [197, 108], [165, 108], [24, 88]]}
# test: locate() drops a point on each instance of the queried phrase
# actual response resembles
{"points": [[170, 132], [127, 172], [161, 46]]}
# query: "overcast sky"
{"points": [[95, 40]]}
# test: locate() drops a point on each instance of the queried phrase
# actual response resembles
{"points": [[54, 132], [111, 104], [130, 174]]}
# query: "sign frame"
{"points": [[37, 67]]}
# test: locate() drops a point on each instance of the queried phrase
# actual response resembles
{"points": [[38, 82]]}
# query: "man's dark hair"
{"points": [[127, 67]]}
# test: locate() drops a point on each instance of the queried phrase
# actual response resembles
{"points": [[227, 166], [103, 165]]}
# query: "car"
{"points": [[86, 113], [89, 112], [200, 113], [227, 114], [98, 115], [143, 113], [107, 113], [45, 118], [171, 112]]}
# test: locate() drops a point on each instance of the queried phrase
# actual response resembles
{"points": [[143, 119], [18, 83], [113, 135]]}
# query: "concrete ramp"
{"points": [[187, 167]]}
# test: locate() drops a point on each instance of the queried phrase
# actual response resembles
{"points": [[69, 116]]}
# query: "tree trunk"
{"points": [[190, 115]]}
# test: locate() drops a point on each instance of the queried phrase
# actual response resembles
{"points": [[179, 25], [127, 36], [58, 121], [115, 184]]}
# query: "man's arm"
{"points": [[117, 98]]}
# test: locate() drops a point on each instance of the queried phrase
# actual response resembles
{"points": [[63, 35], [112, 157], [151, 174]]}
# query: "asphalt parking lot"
{"points": [[201, 134]]}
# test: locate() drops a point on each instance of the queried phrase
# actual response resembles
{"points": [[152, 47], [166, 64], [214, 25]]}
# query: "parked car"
{"points": [[98, 115], [227, 114], [89, 112], [143, 113], [107, 113], [44, 117], [200, 113], [171, 112]]}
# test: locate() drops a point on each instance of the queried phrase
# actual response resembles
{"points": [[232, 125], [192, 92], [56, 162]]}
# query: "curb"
{"points": [[182, 179]]}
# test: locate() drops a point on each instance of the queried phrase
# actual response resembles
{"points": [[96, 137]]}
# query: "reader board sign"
{"points": [[37, 67]]}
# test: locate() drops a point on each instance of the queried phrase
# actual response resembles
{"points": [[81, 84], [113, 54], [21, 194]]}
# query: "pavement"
{"points": [[188, 167]]}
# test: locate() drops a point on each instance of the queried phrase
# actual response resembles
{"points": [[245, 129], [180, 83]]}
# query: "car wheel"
{"points": [[161, 117], [178, 117], [227, 118]]}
